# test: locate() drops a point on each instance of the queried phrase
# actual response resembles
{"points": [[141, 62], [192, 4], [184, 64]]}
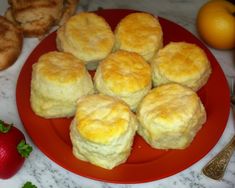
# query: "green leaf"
{"points": [[24, 149], [28, 184], [4, 128]]}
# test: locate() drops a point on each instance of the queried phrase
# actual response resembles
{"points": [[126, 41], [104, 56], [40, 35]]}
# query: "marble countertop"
{"points": [[44, 173]]}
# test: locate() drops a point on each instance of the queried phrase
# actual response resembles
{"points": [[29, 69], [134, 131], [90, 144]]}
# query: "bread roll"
{"points": [[170, 116], [125, 75], [140, 33], [182, 63], [58, 80], [102, 130]]}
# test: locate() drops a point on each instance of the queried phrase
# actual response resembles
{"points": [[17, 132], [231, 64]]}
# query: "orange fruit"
{"points": [[216, 24]]}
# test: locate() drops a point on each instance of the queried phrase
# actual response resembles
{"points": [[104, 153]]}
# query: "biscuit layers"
{"points": [[125, 75], [58, 80], [182, 63], [140, 33], [170, 116], [102, 130], [87, 36]]}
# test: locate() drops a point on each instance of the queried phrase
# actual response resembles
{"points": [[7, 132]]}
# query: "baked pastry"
{"points": [[170, 116], [182, 63], [36, 18], [102, 130], [140, 33], [11, 40], [87, 36], [58, 80], [125, 75]]}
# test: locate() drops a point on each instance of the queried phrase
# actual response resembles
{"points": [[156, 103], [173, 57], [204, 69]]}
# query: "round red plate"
{"points": [[144, 164]]}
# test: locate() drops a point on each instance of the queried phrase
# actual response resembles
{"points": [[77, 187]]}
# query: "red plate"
{"points": [[144, 164]]}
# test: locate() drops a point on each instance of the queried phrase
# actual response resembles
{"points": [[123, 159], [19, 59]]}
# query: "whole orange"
{"points": [[216, 24]]}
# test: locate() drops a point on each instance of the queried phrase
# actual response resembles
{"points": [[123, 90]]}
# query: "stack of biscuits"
{"points": [[36, 18], [139, 85], [29, 18]]}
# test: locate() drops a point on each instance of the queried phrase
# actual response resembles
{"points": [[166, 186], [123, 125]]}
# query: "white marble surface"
{"points": [[44, 173]]}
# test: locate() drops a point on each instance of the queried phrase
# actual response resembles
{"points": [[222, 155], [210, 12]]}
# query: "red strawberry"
{"points": [[13, 150]]}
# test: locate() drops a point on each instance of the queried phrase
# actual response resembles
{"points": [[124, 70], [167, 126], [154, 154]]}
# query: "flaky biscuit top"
{"points": [[90, 35], [169, 105], [125, 71], [180, 61], [139, 32], [100, 118], [59, 67]]}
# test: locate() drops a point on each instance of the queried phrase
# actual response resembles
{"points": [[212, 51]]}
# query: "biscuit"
{"points": [[182, 63], [125, 75], [140, 33], [87, 36], [102, 130], [58, 80], [11, 40], [170, 116], [36, 18]]}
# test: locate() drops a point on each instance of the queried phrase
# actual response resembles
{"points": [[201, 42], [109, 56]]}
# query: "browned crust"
{"points": [[36, 18], [11, 39]]}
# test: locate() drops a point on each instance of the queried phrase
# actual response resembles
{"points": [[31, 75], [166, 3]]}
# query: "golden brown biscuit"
{"points": [[170, 116], [58, 80], [36, 18], [140, 33], [182, 63], [125, 75], [11, 41], [102, 130], [87, 36]]}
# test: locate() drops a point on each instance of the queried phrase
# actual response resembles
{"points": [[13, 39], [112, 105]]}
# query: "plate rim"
{"points": [[107, 180]]}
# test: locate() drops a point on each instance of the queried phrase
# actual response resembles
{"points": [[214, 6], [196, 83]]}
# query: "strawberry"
{"points": [[13, 150]]}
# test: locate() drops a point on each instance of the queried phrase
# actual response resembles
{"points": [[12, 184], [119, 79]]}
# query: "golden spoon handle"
{"points": [[216, 167]]}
